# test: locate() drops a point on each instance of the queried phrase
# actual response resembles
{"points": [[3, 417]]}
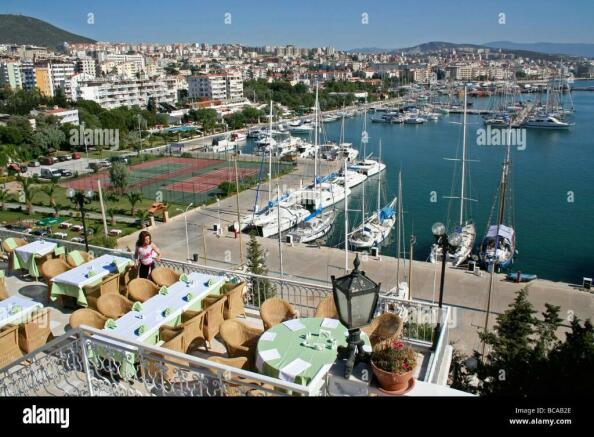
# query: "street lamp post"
{"points": [[80, 199], [186, 223], [444, 242]]}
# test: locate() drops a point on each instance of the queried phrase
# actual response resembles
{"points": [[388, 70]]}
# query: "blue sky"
{"points": [[309, 23]]}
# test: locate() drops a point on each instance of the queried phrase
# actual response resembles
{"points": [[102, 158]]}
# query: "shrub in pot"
{"points": [[393, 367]]}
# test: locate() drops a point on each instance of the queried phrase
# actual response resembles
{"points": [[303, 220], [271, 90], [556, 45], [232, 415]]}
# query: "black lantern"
{"points": [[355, 297]]}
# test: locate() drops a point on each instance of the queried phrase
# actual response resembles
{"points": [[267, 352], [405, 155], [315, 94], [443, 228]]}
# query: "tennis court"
{"points": [[174, 179]]}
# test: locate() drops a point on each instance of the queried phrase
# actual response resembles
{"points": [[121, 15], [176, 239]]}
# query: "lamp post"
{"points": [[186, 223], [444, 242], [355, 297], [80, 199]]}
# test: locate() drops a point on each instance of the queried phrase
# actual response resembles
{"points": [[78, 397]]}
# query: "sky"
{"points": [[343, 24]]}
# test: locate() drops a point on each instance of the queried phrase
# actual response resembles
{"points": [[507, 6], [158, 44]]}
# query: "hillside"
{"points": [[18, 29], [586, 50]]}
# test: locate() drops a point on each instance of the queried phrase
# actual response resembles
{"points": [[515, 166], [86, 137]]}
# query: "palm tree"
{"points": [[50, 190], [133, 199], [28, 190], [111, 212], [143, 215]]}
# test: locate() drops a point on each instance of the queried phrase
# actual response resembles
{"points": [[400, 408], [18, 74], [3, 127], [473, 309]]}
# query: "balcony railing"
{"points": [[420, 318]]}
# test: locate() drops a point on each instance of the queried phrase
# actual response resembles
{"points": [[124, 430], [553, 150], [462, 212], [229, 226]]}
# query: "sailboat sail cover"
{"points": [[386, 213], [504, 231]]}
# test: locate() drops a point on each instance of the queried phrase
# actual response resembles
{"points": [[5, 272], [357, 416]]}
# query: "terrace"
{"points": [[68, 365]]}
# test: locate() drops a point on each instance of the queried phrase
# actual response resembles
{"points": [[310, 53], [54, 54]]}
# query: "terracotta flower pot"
{"points": [[396, 383]]}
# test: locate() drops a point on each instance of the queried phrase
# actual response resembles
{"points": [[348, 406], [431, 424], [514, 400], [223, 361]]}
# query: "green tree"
{"points": [[142, 215], [50, 190], [262, 289], [119, 177], [49, 138], [29, 188], [133, 199], [112, 212]]}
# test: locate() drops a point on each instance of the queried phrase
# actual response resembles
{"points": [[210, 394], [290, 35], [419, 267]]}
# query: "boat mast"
{"points": [[346, 220], [270, 155], [398, 230], [463, 159], [316, 140], [379, 179], [364, 140]]}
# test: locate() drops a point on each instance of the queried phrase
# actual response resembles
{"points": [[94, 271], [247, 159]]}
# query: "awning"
{"points": [[504, 231], [386, 213]]}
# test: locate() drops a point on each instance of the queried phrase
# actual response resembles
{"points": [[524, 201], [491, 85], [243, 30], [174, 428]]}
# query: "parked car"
{"points": [[34, 164], [17, 168], [18, 227], [75, 155], [49, 173], [40, 232], [122, 159], [46, 160], [98, 165], [78, 239], [66, 173], [63, 158]]}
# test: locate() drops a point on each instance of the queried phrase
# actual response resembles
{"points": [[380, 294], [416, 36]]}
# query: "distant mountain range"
{"points": [[526, 49], [577, 49], [18, 29]]}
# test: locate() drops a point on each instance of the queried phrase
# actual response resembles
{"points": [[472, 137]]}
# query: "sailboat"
{"points": [[499, 245], [376, 228], [315, 226], [465, 229], [367, 166]]}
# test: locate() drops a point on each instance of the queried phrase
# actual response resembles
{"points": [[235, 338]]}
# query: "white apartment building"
{"points": [[10, 74], [28, 75], [86, 65], [225, 86], [461, 72], [129, 92], [60, 73]]}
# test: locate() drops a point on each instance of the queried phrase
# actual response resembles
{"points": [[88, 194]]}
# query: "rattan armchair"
{"points": [[164, 276], [113, 305], [237, 362], [156, 369], [52, 268], [141, 290], [213, 318], [110, 284], [192, 327], [240, 339], [35, 332], [129, 274], [327, 308], [86, 257], [6, 247], [3, 289], [275, 310], [9, 345], [87, 316], [383, 330], [234, 305]]}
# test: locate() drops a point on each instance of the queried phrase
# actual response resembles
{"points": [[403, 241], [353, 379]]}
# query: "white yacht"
{"points": [[353, 178], [368, 167], [545, 122], [313, 227], [373, 231], [290, 216]]}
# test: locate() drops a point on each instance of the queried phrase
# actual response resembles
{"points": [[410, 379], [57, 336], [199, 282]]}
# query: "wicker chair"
{"points": [[89, 317], [275, 310], [3, 290], [327, 308], [9, 345], [192, 327], [52, 268], [164, 276], [84, 255], [113, 305], [240, 339], [141, 290], [17, 242], [384, 329], [213, 318], [129, 274], [159, 371], [109, 285], [234, 305], [35, 332]]}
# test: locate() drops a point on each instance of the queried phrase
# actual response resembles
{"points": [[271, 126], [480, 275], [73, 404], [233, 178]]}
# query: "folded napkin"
{"points": [[184, 278], [210, 282], [91, 273], [294, 324], [268, 336], [329, 323], [137, 306], [140, 330], [77, 257], [166, 312], [59, 251], [189, 297], [163, 290], [15, 309], [294, 368], [110, 324]]}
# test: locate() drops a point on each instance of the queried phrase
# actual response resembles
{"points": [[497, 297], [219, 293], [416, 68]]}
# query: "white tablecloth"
{"points": [[40, 248], [102, 267], [27, 307], [152, 316]]}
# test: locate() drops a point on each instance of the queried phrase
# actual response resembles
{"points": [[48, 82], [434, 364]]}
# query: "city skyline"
{"points": [[309, 24]]}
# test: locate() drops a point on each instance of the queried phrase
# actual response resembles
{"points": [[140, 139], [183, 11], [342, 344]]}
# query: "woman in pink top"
{"points": [[146, 254]]}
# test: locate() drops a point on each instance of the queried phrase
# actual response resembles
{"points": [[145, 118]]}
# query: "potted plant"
{"points": [[393, 367]]}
